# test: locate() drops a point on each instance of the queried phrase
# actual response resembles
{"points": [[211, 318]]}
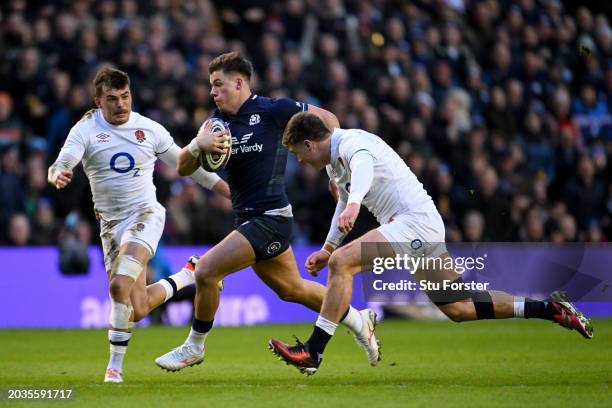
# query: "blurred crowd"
{"points": [[501, 108]]}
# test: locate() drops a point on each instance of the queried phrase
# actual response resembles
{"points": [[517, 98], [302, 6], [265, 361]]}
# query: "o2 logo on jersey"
{"points": [[120, 167], [255, 119]]}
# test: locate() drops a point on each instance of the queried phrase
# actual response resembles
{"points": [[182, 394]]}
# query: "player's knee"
{"points": [[205, 274], [339, 264], [119, 289]]}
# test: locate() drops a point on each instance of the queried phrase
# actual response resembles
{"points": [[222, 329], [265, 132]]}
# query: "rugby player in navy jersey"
{"points": [[255, 174]]}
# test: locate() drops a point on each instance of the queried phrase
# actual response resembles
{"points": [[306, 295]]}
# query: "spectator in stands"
{"points": [[19, 233], [500, 92]]}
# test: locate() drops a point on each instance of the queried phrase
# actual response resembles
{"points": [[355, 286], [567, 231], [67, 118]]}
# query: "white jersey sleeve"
{"points": [[394, 189], [70, 155], [200, 176], [75, 144], [362, 174], [334, 236], [164, 140]]}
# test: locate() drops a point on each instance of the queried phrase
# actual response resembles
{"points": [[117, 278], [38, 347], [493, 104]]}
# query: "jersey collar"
{"points": [[335, 146], [246, 103]]}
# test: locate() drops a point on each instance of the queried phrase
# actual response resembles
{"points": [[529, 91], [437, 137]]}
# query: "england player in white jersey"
{"points": [[367, 171], [118, 148]]}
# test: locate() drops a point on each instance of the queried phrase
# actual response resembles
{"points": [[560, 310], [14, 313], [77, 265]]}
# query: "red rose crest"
{"points": [[140, 136], [140, 226]]}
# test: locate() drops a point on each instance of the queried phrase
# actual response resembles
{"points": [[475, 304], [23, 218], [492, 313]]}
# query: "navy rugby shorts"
{"points": [[269, 235]]}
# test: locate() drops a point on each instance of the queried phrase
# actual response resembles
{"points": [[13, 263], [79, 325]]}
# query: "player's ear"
{"points": [[97, 102], [238, 83], [309, 145]]}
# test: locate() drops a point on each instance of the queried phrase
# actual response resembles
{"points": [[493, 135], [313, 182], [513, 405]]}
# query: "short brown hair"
{"points": [[231, 62], [304, 126], [109, 78]]}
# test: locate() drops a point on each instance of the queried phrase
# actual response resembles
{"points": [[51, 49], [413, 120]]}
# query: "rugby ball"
{"points": [[214, 162]]}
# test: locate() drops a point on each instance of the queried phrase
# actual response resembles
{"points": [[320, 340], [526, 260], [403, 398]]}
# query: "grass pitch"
{"points": [[487, 364]]}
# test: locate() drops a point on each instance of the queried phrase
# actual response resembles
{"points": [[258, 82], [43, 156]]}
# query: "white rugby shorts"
{"points": [[144, 226], [416, 234]]}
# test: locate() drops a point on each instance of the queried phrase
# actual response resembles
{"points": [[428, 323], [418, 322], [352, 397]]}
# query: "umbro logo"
{"points": [[244, 139], [102, 137]]}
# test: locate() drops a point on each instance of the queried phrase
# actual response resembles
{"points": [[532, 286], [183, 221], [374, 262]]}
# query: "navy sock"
{"points": [[201, 326], [173, 284], [317, 342], [536, 309]]}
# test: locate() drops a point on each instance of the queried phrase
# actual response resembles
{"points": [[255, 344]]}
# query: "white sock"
{"points": [[353, 320], [326, 325], [167, 288], [519, 306], [196, 339], [117, 353], [181, 279]]}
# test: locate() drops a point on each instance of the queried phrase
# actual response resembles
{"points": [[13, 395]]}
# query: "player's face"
{"points": [[308, 153], [116, 105], [225, 90]]}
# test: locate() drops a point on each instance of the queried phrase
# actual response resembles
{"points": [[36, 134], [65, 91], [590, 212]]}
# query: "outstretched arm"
{"points": [[59, 174], [335, 236], [207, 180]]}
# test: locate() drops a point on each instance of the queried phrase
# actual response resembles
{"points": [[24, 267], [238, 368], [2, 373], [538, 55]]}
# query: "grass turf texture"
{"points": [[511, 363]]}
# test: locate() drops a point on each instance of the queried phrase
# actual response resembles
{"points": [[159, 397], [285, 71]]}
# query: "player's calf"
{"points": [[458, 311], [461, 305]]}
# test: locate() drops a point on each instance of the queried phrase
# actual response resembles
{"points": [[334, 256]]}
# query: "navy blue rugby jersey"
{"points": [[256, 169]]}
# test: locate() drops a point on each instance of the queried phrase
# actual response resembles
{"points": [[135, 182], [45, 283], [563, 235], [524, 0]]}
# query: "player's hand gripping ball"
{"points": [[214, 162]]}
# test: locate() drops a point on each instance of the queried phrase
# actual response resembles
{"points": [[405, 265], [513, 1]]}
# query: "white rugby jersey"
{"points": [[118, 160], [394, 190]]}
